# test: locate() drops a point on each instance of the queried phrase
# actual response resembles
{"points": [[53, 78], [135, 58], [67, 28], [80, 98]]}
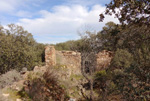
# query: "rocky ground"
{"points": [[69, 77]]}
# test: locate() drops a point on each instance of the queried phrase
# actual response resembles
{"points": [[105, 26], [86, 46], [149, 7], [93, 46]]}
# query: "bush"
{"points": [[46, 88], [9, 78], [18, 49], [131, 87], [122, 59], [104, 85]]}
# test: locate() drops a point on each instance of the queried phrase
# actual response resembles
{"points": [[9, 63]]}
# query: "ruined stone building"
{"points": [[72, 59]]}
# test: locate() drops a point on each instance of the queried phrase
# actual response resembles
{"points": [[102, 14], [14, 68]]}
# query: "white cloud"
{"points": [[6, 5], [11, 6], [18, 7], [64, 21]]}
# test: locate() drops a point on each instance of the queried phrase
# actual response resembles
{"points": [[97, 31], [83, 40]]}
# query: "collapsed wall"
{"points": [[68, 58], [72, 59]]}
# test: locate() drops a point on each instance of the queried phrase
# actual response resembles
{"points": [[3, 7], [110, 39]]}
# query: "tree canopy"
{"points": [[18, 49], [129, 11]]}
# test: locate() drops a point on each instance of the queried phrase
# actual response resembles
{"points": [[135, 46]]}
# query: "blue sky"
{"points": [[54, 21]]}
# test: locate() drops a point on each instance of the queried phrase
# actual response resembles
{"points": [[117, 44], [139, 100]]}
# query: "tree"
{"points": [[109, 36], [92, 43], [18, 49], [89, 47], [133, 39], [129, 11], [131, 56]]}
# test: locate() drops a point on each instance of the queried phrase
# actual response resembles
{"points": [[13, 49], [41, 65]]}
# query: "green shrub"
{"points": [[77, 77], [103, 84], [9, 78], [131, 87], [122, 59], [46, 88], [101, 75], [18, 49]]}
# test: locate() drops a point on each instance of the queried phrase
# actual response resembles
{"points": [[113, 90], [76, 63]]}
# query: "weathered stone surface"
{"points": [[72, 59], [24, 70], [69, 58], [18, 100], [71, 99], [41, 69], [50, 56], [103, 59], [5, 95]]}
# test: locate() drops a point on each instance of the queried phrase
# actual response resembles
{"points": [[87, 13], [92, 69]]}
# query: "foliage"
{"points": [[9, 78], [122, 59], [131, 87], [130, 45], [13, 94], [129, 11], [46, 88], [77, 45], [77, 77], [74, 45], [109, 37], [89, 47], [103, 84], [101, 75], [18, 49], [100, 78], [64, 46], [24, 95]]}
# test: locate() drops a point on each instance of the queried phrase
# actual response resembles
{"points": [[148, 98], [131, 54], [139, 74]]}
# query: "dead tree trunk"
{"points": [[87, 70]]}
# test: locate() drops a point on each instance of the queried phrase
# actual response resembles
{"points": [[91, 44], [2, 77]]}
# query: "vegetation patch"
{"points": [[77, 77], [13, 94], [9, 78]]}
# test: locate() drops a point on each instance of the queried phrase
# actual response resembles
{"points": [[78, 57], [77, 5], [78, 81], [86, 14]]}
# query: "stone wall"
{"points": [[103, 59], [72, 59], [50, 56], [68, 58]]}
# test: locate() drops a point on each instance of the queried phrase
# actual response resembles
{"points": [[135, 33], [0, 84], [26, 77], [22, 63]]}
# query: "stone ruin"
{"points": [[68, 58], [103, 59], [72, 59], [50, 56]]}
